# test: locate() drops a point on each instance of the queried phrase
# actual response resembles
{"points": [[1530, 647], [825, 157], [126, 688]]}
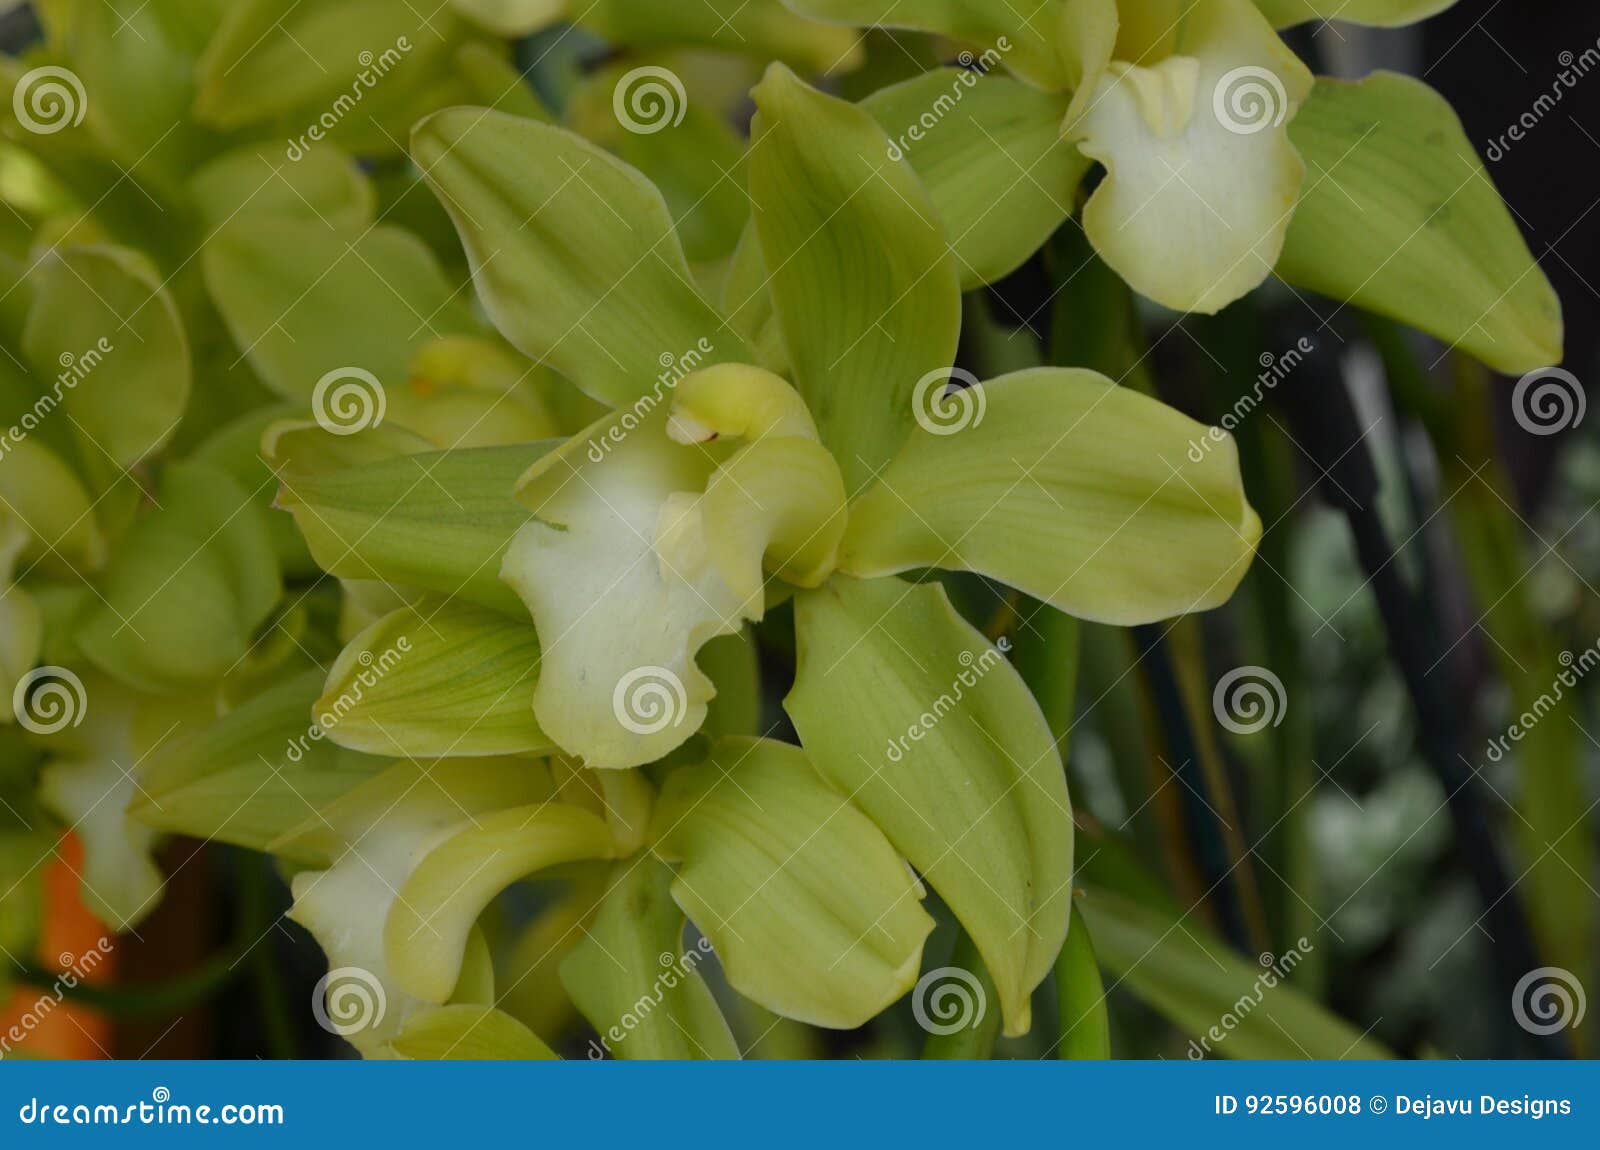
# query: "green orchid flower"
{"points": [[1226, 162]]}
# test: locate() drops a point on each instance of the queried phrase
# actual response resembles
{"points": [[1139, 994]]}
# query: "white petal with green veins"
{"points": [[1079, 492], [1201, 179], [813, 914], [906, 708], [620, 621]]}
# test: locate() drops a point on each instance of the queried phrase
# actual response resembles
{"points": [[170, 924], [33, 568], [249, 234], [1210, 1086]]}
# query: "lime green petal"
{"points": [[512, 18], [469, 1032], [108, 337], [304, 301], [908, 710], [634, 979], [1201, 179], [439, 521], [689, 151], [765, 29], [1147, 30], [1091, 497], [989, 151], [46, 497], [864, 285], [572, 251], [436, 680], [1020, 35], [271, 58], [425, 932], [1398, 216], [620, 621], [1381, 13], [1088, 41], [255, 774], [811, 911], [187, 587], [325, 186]]}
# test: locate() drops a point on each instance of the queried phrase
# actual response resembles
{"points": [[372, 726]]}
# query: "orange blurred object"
{"points": [[40, 1021]]}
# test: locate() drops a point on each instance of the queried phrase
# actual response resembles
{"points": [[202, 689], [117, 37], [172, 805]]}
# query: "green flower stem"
{"points": [[975, 1041], [1085, 1028]]}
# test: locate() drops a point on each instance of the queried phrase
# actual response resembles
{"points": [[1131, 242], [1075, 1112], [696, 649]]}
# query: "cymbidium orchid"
{"points": [[411, 520]]}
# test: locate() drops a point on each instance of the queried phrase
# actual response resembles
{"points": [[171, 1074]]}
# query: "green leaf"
{"points": [[425, 932], [1238, 1008], [1022, 35], [253, 775], [187, 587], [325, 186], [572, 251], [989, 151], [863, 284], [469, 1032], [811, 911], [435, 680], [1060, 483], [1399, 217], [765, 29], [908, 710], [439, 521], [1380, 13], [105, 331], [636, 982], [303, 299]]}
